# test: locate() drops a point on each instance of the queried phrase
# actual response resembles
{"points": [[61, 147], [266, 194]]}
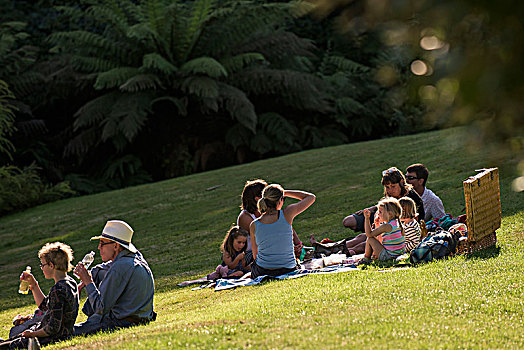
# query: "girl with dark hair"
{"points": [[272, 232], [251, 194], [233, 250]]}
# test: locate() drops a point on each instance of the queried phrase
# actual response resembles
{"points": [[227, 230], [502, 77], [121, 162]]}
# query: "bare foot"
{"points": [[351, 252], [312, 240]]}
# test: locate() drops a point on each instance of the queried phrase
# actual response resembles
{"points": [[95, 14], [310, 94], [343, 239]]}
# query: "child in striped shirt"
{"points": [[410, 223], [393, 240]]}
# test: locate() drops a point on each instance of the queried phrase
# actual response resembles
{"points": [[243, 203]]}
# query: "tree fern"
{"points": [[201, 10], [6, 120], [239, 106], [238, 62], [205, 65], [92, 64], [114, 77], [156, 62], [141, 82], [94, 112], [203, 87], [345, 64]]}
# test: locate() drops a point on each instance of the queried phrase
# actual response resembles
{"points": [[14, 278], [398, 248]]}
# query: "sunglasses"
{"points": [[412, 177], [389, 171], [42, 265], [106, 243]]}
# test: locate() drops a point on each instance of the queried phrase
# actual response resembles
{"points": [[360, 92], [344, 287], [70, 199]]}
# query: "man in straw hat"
{"points": [[120, 291]]}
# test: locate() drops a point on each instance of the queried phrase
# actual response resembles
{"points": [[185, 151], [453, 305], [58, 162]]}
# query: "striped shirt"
{"points": [[412, 230], [394, 242]]}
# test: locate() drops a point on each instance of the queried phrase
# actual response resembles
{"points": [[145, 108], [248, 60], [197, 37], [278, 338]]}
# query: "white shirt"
{"points": [[432, 205]]}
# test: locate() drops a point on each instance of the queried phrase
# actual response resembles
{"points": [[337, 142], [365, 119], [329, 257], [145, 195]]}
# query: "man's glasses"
{"points": [[42, 265], [103, 244], [412, 177]]}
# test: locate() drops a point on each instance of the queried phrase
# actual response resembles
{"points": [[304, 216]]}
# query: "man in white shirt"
{"points": [[417, 176]]}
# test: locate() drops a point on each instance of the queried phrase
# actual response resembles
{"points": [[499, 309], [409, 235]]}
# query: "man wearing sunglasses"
{"points": [[120, 291], [417, 176]]}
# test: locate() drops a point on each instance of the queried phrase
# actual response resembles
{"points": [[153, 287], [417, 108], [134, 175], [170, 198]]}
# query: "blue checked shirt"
{"points": [[127, 289]]}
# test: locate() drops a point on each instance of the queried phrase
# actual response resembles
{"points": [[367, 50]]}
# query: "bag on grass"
{"points": [[326, 249], [433, 247]]}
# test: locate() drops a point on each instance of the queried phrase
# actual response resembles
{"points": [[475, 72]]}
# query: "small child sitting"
{"points": [[409, 222], [393, 240], [233, 250], [60, 306]]}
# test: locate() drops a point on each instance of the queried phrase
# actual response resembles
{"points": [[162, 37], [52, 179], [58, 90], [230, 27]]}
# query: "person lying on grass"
{"points": [[124, 296], [233, 250], [251, 194], [272, 233], [393, 239], [60, 306]]}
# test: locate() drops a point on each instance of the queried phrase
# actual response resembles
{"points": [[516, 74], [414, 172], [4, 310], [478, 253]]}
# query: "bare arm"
{"points": [[37, 333], [254, 246], [244, 220], [376, 232], [292, 210], [232, 263]]}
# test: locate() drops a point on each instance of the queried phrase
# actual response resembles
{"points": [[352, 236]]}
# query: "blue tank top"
{"points": [[275, 244]]}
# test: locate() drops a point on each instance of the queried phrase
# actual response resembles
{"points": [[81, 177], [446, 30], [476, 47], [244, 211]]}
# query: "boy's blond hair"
{"points": [[60, 254]]}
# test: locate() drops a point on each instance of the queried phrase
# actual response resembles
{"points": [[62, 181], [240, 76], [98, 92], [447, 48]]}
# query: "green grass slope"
{"points": [[465, 302]]}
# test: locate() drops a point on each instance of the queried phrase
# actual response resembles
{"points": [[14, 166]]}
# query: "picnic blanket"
{"points": [[223, 283]]}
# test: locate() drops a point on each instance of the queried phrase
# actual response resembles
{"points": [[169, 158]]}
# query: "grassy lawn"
{"points": [[465, 302]]}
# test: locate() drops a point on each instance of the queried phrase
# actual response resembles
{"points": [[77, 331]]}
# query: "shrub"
{"points": [[22, 188]]}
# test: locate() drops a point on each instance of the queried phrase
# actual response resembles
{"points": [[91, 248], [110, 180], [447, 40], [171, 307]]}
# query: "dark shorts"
{"points": [[359, 218], [260, 271]]}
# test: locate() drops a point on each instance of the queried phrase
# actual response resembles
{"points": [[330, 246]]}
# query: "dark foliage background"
{"points": [[107, 94]]}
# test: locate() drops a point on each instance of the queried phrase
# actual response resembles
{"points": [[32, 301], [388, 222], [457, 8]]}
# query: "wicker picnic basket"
{"points": [[483, 211]]}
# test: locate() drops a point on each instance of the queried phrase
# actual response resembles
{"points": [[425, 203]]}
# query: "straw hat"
{"points": [[120, 232]]}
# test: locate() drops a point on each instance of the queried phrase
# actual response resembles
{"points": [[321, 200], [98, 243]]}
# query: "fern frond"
{"points": [[80, 38], [238, 27], [27, 83], [278, 127], [347, 65], [13, 25], [200, 13], [154, 10], [238, 62], [141, 82], [112, 15], [127, 116], [93, 112], [274, 46], [73, 14], [82, 143], [205, 65], [238, 135], [238, 106], [114, 77], [203, 87], [92, 64], [296, 89], [7, 119], [347, 105], [154, 61]]}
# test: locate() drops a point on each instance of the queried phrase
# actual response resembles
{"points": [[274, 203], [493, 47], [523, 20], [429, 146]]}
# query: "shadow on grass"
{"points": [[487, 253]]}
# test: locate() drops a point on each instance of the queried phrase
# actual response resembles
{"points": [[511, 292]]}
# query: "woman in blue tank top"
{"points": [[272, 234]]}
